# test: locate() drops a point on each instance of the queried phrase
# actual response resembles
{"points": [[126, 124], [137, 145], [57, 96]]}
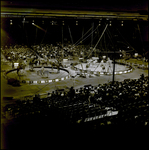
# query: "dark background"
{"points": [[134, 32], [106, 5]]}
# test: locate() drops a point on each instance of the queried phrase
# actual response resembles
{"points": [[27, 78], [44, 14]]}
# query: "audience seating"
{"points": [[131, 103]]}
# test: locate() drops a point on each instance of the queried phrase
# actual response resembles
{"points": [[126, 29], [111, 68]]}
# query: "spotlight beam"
{"points": [[39, 27]]}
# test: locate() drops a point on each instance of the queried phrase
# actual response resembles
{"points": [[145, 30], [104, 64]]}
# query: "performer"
{"points": [[17, 71], [42, 69], [12, 65]]}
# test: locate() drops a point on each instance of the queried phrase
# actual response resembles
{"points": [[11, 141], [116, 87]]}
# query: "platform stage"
{"points": [[103, 68], [39, 75]]}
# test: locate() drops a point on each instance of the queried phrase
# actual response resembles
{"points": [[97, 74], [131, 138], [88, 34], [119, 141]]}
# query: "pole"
{"points": [[62, 42], [113, 66], [92, 35]]}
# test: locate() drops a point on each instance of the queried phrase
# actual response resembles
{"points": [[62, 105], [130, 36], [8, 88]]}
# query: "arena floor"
{"points": [[98, 67], [27, 89]]}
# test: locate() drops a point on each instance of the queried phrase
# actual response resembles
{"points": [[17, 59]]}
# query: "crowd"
{"points": [[129, 98], [17, 52], [45, 52], [39, 55], [115, 105]]}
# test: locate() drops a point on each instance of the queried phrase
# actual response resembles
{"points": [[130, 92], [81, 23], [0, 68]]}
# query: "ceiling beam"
{"points": [[45, 13]]}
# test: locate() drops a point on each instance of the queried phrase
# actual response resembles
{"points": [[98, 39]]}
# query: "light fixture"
{"points": [[63, 23], [122, 23], [33, 22], [23, 20], [11, 22], [76, 23], [110, 23], [99, 23]]}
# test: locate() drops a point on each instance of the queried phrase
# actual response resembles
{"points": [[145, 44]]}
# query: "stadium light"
{"points": [[33, 22], [110, 23], [76, 23], [11, 22], [63, 23], [99, 23], [122, 23]]}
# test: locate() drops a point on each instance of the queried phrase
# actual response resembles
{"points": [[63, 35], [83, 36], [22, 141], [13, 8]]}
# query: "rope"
{"points": [[110, 36], [70, 34], [44, 36], [140, 36], [82, 37], [88, 35], [98, 40], [92, 34], [36, 35], [125, 40]]}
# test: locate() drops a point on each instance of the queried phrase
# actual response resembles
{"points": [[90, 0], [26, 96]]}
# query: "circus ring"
{"points": [[96, 69], [32, 77]]}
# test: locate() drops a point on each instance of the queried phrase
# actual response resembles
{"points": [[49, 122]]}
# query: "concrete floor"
{"points": [[32, 89]]}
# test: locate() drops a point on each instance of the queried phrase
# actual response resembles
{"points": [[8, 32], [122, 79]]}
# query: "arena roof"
{"points": [[76, 9]]}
